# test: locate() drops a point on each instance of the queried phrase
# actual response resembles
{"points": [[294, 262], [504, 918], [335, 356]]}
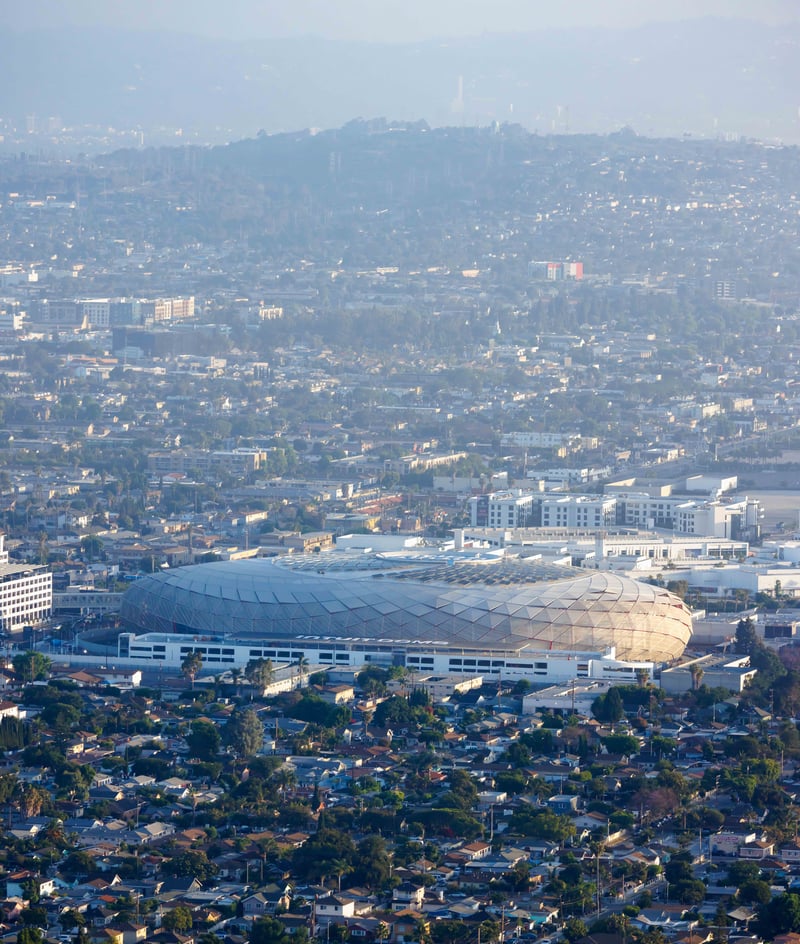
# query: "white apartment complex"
{"points": [[519, 508], [538, 440], [100, 313], [235, 461], [26, 593], [686, 515], [508, 509], [578, 511]]}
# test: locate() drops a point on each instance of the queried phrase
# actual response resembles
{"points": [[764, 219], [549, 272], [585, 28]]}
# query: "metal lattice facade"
{"points": [[509, 605]]}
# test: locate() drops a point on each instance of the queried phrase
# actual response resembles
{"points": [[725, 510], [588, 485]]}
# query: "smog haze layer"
{"points": [[187, 72]]}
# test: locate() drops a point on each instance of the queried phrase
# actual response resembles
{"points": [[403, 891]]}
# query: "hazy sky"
{"points": [[377, 20]]}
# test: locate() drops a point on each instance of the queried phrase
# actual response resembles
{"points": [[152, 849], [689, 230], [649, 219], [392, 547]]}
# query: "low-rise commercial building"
{"points": [[712, 671]]}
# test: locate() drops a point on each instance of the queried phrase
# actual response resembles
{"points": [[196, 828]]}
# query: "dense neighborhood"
{"points": [[364, 808], [387, 342]]}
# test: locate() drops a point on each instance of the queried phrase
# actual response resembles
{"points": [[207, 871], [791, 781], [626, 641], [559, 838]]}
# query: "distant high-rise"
{"points": [[556, 271], [457, 106]]}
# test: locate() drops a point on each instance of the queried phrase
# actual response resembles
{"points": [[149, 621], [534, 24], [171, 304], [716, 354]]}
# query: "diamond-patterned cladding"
{"points": [[498, 604]]}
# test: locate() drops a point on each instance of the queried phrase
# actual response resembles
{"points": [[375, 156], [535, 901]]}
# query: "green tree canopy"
{"points": [[608, 708], [746, 637], [463, 792], [395, 710], [244, 733], [178, 919], [779, 916], [621, 744], [755, 891], [194, 863], [268, 931], [372, 862], [320, 857], [574, 929], [31, 666], [540, 824], [259, 673], [30, 935], [204, 740]]}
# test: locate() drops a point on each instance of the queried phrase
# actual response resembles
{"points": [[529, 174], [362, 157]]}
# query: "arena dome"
{"points": [[513, 606]]}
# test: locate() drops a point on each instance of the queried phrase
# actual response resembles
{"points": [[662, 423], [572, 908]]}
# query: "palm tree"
{"points": [[422, 931], [339, 867], [191, 665], [259, 672], [302, 665], [284, 778]]}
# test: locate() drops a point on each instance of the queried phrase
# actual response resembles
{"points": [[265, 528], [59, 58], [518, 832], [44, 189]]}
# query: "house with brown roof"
{"points": [[475, 850]]}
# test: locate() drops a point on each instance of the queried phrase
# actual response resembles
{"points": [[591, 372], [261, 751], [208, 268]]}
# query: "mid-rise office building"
{"points": [[26, 593]]}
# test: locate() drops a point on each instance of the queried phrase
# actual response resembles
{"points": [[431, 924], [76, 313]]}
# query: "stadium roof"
{"points": [[511, 605]]}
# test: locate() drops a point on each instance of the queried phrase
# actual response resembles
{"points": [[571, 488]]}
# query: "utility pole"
{"points": [[597, 884]]}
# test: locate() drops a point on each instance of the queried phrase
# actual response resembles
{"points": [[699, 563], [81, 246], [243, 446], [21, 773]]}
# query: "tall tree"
{"points": [[746, 637], [302, 665], [192, 863], [30, 935], [204, 740], [720, 928], [259, 673], [323, 854], [608, 708], [373, 865], [191, 665], [268, 931], [31, 665], [244, 733], [177, 919]]}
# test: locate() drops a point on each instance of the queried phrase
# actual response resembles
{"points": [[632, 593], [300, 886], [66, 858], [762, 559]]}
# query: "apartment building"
{"points": [[26, 593], [577, 511], [508, 509]]}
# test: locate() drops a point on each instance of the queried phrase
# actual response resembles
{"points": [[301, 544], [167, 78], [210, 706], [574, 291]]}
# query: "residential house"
{"points": [[334, 909], [475, 850], [18, 882], [408, 895], [405, 926], [106, 935], [269, 900], [760, 849], [337, 694], [132, 933], [564, 804]]}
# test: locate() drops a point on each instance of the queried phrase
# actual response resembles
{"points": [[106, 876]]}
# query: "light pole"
{"points": [[597, 881]]}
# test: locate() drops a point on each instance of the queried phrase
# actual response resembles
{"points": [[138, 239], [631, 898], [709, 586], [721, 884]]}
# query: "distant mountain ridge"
{"points": [[702, 77]]}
